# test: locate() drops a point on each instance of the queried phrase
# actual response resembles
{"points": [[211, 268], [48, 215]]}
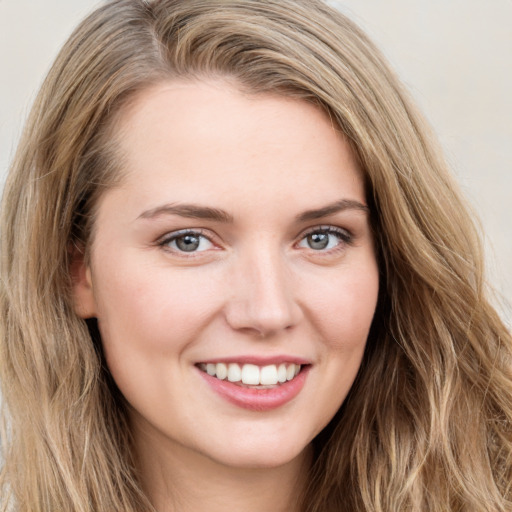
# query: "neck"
{"points": [[177, 479]]}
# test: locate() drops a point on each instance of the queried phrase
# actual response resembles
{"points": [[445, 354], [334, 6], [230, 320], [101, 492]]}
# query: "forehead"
{"points": [[195, 138]]}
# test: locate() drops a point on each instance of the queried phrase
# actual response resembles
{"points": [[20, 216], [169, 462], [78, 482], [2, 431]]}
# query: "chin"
{"points": [[267, 455]]}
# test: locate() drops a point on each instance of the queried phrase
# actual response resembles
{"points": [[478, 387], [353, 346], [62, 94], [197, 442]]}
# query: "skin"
{"points": [[254, 287]]}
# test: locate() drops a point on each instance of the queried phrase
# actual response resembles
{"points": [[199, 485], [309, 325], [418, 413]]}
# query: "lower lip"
{"points": [[258, 399]]}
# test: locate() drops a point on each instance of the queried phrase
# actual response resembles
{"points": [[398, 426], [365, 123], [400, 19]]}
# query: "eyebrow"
{"points": [[191, 211], [331, 209], [194, 211]]}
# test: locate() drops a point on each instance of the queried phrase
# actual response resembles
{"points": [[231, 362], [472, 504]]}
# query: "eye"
{"points": [[186, 241], [324, 239]]}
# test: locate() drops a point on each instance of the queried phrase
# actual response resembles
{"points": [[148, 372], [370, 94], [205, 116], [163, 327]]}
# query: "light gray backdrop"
{"points": [[455, 56]]}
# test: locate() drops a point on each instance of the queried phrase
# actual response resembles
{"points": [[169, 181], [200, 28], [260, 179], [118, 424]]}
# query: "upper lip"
{"points": [[257, 360]]}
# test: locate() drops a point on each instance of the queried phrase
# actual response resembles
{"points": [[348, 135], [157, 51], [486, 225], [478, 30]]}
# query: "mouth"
{"points": [[252, 375], [256, 387]]}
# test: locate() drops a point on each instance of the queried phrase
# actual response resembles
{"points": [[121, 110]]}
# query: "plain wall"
{"points": [[454, 55]]}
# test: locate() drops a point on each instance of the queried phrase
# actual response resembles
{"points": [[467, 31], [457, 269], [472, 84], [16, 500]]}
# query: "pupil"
{"points": [[318, 240], [187, 243]]}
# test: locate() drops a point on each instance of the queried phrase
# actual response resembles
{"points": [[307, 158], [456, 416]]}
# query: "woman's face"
{"points": [[233, 273]]}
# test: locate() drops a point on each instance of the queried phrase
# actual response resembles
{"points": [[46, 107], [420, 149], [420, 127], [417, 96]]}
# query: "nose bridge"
{"points": [[263, 295]]}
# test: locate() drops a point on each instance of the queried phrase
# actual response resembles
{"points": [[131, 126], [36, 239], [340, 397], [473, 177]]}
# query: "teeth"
{"points": [[234, 373], [251, 374], [281, 373], [268, 375], [221, 371]]}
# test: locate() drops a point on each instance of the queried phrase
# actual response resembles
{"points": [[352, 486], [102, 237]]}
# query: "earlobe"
{"points": [[82, 288]]}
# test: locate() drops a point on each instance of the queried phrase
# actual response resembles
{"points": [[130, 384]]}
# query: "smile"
{"points": [[256, 387], [251, 374]]}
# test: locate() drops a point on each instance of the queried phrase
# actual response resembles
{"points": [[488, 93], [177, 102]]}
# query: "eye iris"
{"points": [[318, 240], [187, 243]]}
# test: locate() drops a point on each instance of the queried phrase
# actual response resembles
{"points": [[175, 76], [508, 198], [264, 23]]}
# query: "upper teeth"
{"points": [[252, 374]]}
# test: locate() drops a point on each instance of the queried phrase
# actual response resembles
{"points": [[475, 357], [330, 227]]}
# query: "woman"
{"points": [[236, 272]]}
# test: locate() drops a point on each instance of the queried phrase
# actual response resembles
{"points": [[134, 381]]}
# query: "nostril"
{"points": [[260, 321], [262, 299]]}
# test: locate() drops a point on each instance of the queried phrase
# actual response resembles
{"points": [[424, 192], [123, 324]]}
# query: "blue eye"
{"points": [[324, 239], [187, 241]]}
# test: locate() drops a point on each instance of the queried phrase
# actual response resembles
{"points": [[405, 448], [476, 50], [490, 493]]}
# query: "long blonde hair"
{"points": [[427, 424]]}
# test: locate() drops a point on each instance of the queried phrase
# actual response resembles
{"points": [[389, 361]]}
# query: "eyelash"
{"points": [[176, 235], [344, 236]]}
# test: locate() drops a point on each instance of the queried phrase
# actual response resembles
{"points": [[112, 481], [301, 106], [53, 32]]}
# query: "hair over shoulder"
{"points": [[427, 426]]}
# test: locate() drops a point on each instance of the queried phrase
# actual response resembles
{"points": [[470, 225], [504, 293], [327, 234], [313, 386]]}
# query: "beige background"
{"points": [[455, 56]]}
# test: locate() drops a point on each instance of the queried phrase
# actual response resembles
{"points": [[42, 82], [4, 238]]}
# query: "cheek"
{"points": [[152, 310], [148, 320], [344, 313], [343, 307]]}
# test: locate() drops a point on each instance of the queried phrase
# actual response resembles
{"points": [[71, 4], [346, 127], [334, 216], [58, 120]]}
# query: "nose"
{"points": [[262, 299]]}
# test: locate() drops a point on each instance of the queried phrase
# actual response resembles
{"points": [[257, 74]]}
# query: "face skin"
{"points": [[260, 283]]}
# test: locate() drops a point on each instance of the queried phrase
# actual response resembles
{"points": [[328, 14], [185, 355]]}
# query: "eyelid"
{"points": [[328, 228], [173, 235], [345, 236]]}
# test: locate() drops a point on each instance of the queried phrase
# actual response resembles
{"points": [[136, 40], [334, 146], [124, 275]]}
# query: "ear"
{"points": [[82, 289]]}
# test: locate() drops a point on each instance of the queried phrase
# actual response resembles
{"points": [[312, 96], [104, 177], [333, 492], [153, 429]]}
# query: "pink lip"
{"points": [[257, 399]]}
